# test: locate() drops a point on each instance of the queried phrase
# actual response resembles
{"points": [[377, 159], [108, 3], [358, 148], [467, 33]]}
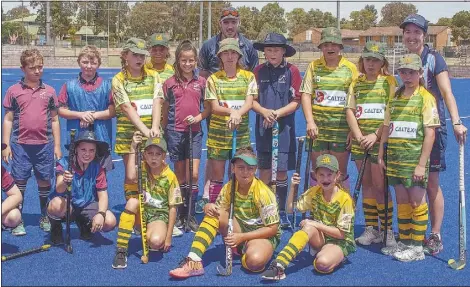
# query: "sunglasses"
{"points": [[226, 13]]}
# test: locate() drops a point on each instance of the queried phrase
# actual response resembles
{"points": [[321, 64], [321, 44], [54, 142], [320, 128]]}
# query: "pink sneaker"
{"points": [[188, 268]]}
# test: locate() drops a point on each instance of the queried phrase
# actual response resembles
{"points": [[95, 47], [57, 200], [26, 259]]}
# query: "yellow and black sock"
{"points": [[296, 243], [405, 213], [126, 223], [419, 224], [131, 191], [204, 236], [243, 260], [381, 211], [369, 205]]}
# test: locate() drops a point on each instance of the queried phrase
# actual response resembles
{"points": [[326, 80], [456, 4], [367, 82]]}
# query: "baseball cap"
{"points": [[247, 159], [328, 161], [331, 35], [158, 39], [229, 13], [136, 45], [416, 19], [374, 50], [229, 44], [156, 141], [410, 61]]}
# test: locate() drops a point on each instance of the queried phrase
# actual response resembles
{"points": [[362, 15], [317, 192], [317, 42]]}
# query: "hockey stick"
{"points": [[68, 245], [307, 168], [26, 252], [385, 195], [357, 188], [459, 265], [274, 157], [296, 187], [143, 224], [190, 193], [228, 250]]}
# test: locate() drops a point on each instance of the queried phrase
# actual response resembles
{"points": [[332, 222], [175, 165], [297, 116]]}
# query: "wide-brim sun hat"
{"points": [[229, 44], [331, 35], [275, 40]]}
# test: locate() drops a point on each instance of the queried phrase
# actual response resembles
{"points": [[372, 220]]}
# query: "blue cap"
{"points": [[416, 19]]}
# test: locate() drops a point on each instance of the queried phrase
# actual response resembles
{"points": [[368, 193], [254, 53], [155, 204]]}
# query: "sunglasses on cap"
{"points": [[228, 12]]}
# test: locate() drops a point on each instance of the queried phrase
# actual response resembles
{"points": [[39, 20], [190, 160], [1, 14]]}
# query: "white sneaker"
{"points": [[369, 236], [177, 232], [413, 253], [390, 250], [390, 238]]}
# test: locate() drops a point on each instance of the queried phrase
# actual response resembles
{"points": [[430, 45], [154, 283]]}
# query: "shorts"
{"points": [[151, 216], [85, 213], [407, 182], [275, 240], [219, 154], [178, 145], [372, 157], [286, 160], [40, 158], [345, 246], [107, 162], [318, 146], [437, 161]]}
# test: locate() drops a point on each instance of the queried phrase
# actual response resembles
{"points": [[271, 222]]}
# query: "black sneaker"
{"points": [[85, 228], [285, 223], [120, 259], [56, 232], [274, 272], [180, 221], [193, 225]]}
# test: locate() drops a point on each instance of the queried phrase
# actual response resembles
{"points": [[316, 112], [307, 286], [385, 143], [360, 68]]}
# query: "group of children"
{"points": [[156, 103]]}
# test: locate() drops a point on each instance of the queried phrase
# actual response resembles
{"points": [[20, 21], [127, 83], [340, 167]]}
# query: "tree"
{"points": [[297, 21], [363, 19], [345, 24], [461, 26], [61, 12], [17, 12], [272, 17], [13, 32], [318, 19], [394, 13], [444, 21], [157, 19], [249, 21]]}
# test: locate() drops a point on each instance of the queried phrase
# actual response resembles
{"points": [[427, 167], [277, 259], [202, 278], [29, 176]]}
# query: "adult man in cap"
{"points": [[436, 78], [278, 98]]}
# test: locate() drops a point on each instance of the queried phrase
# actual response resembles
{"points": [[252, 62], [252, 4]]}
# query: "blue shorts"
{"points": [[178, 145], [286, 160], [437, 162], [40, 158]]}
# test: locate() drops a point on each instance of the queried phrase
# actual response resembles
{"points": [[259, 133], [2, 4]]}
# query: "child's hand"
{"points": [[190, 120], [6, 154], [418, 174], [269, 115], [87, 117], [234, 239], [57, 152], [155, 133], [349, 141], [211, 209], [136, 139], [234, 121], [97, 224], [267, 124], [295, 179], [312, 130], [368, 141], [167, 245], [84, 124], [68, 177]]}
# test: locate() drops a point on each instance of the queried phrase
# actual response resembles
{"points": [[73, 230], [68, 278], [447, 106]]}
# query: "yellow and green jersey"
{"points": [[140, 93], [328, 87], [407, 117], [164, 73], [368, 99], [255, 210], [230, 93], [338, 212]]}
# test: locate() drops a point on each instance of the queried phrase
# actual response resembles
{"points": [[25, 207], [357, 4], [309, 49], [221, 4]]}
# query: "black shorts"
{"points": [[286, 161], [437, 162], [178, 145]]}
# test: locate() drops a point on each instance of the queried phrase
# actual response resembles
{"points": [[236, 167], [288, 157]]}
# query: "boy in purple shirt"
{"points": [[31, 130]]}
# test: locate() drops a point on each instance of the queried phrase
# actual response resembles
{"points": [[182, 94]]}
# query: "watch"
{"points": [[459, 122]]}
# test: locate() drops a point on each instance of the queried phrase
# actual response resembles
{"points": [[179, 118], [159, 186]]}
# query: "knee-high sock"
{"points": [[43, 194], [243, 260], [214, 189], [405, 213], [22, 188], [203, 237], [296, 243], [126, 223], [194, 193], [369, 205], [131, 190], [381, 210], [183, 208], [419, 224], [281, 192]]}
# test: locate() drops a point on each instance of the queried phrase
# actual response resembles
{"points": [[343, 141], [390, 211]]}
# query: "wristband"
{"points": [[103, 213]]}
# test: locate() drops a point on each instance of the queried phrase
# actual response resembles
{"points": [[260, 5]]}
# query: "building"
{"points": [[313, 35], [86, 36], [31, 26]]}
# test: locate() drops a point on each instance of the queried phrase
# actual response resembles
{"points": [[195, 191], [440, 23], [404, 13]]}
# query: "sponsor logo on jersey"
{"points": [[370, 111], [330, 98], [404, 130]]}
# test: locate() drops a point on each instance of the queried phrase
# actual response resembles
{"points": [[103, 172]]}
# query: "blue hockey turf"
{"points": [[90, 264]]}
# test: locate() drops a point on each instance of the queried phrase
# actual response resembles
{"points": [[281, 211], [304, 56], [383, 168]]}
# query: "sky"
{"points": [[431, 10]]}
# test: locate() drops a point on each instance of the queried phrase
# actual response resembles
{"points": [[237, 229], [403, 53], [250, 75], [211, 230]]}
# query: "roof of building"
{"points": [[396, 31]]}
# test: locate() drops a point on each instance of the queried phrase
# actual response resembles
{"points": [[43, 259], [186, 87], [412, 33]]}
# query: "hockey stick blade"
{"points": [[456, 265]]}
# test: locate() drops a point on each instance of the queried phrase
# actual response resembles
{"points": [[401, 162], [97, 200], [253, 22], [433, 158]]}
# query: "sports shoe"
{"points": [[285, 223], [180, 221], [19, 230], [44, 223], [193, 225], [369, 236], [275, 272], [187, 268], [413, 253], [120, 259], [390, 250], [390, 238], [85, 228], [433, 245], [136, 230], [177, 232], [56, 232], [200, 205]]}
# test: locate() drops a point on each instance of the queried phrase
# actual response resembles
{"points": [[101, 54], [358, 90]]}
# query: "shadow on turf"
{"points": [[9, 249], [30, 219]]}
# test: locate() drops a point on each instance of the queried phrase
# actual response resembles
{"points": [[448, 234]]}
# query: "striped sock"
{"points": [[243, 260], [43, 194], [419, 224], [22, 188], [131, 190], [126, 223], [405, 213], [214, 189], [203, 237], [281, 193], [381, 210], [369, 205], [296, 243]]}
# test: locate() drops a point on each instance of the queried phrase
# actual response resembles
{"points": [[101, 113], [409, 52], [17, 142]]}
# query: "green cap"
{"points": [[158, 39], [160, 142], [229, 44], [328, 161], [247, 159], [374, 50], [331, 35], [137, 46], [410, 61]]}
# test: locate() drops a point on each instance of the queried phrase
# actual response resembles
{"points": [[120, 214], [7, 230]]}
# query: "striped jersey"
{"points": [[140, 92], [328, 87], [406, 118], [164, 73], [368, 99], [338, 212], [230, 93], [163, 190], [256, 209]]}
